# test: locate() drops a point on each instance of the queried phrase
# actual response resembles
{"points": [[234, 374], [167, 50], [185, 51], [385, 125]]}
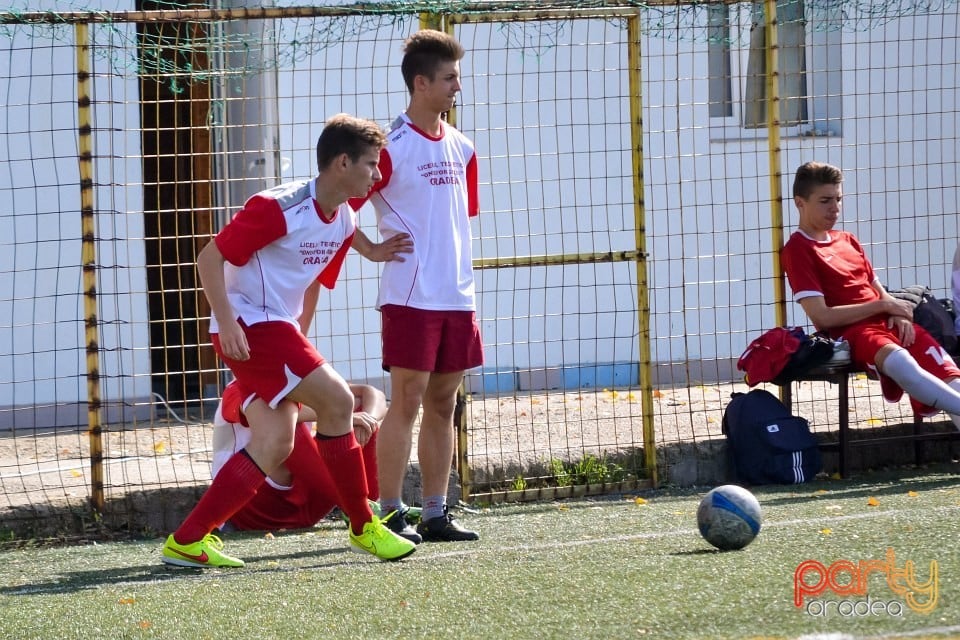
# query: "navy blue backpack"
{"points": [[766, 443]]}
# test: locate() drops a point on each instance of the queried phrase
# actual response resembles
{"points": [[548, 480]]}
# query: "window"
{"points": [[808, 64]]}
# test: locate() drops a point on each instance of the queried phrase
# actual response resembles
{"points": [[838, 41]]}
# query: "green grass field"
{"points": [[616, 567]]}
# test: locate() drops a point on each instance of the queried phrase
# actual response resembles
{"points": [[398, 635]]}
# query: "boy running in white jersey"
{"points": [[427, 302], [262, 275]]}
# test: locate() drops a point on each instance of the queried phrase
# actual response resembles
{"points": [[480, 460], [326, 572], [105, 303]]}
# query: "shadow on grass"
{"points": [[876, 483], [75, 581]]}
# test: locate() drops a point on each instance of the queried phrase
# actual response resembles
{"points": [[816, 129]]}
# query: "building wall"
{"points": [[552, 129]]}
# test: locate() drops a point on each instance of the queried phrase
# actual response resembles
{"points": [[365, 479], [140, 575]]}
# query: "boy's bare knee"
{"points": [[885, 352], [270, 454], [334, 412]]}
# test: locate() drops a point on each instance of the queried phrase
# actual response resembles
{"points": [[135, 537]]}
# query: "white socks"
{"points": [[923, 385], [955, 385]]}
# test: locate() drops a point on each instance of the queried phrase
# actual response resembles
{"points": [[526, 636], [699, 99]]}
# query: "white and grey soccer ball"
{"points": [[729, 517]]}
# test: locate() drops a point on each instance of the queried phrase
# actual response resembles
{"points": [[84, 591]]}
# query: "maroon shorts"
{"points": [[280, 357], [435, 341]]}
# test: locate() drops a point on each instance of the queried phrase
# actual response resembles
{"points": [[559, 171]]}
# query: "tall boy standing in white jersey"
{"points": [[262, 275], [427, 302]]}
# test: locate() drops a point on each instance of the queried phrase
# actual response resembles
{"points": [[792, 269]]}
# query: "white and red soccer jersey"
{"points": [[429, 190], [276, 246], [836, 269]]}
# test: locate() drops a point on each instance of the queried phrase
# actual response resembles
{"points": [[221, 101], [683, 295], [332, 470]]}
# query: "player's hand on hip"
{"points": [[393, 248]]}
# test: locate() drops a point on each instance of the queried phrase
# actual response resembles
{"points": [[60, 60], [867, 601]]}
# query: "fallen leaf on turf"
{"points": [[127, 600], [819, 492], [826, 532], [143, 624], [872, 502], [75, 473], [912, 494], [638, 500], [160, 447], [563, 507]]}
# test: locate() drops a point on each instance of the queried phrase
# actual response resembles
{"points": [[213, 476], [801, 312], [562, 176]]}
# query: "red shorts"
{"points": [[867, 337], [435, 341], [234, 401], [280, 357]]}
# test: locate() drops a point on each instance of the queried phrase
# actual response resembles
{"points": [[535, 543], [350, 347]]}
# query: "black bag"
{"points": [[814, 351], [782, 355], [767, 444], [932, 314]]}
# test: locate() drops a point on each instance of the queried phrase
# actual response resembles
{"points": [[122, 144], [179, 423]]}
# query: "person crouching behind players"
{"points": [[300, 492]]}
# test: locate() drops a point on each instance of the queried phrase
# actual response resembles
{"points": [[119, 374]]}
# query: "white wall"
{"points": [[42, 358], [543, 117]]}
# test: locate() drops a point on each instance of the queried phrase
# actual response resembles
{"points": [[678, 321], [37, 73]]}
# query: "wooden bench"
{"points": [[840, 376]]}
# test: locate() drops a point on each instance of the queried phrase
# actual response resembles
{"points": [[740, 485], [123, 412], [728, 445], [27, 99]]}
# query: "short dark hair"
{"points": [[426, 50], [347, 134], [813, 174]]}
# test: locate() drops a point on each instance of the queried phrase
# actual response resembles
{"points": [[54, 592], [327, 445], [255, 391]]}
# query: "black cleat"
{"points": [[396, 521], [445, 529]]}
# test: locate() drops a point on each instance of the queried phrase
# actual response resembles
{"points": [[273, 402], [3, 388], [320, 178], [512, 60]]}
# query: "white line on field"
{"points": [[675, 532]]}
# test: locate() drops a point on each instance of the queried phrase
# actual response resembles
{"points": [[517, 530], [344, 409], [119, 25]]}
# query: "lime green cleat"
{"points": [[413, 514], [378, 540], [205, 553]]}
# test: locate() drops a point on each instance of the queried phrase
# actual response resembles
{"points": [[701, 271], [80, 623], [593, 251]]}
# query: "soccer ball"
{"points": [[729, 517]]}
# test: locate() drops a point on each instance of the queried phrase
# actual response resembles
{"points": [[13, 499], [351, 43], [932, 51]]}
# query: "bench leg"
{"points": [[844, 419], [917, 444]]}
